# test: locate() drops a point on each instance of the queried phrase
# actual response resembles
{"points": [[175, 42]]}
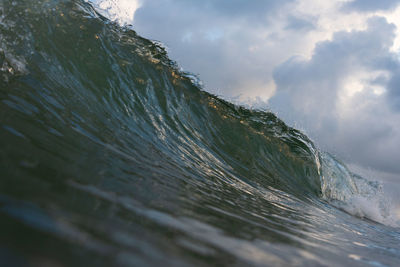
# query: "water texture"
{"points": [[110, 155]]}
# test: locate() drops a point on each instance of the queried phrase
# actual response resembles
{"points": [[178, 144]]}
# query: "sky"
{"points": [[330, 68]]}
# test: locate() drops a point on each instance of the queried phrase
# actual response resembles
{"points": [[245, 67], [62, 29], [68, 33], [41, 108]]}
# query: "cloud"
{"points": [[341, 95], [296, 23], [370, 5], [393, 94], [255, 10], [233, 45]]}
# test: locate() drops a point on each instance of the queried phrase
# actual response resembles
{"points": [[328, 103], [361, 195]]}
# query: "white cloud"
{"points": [[235, 46], [340, 95]]}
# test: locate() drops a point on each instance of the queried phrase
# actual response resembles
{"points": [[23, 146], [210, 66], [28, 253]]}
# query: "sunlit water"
{"points": [[112, 156]]}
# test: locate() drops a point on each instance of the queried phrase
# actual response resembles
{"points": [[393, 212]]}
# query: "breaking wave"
{"points": [[108, 148]]}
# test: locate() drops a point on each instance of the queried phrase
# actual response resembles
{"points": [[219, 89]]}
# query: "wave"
{"points": [[90, 110]]}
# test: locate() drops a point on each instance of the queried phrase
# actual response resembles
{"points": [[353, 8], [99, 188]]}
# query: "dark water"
{"points": [[109, 155]]}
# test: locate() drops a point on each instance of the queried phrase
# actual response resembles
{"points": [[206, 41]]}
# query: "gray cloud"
{"points": [[394, 90], [309, 92], [296, 23], [370, 5], [214, 38], [255, 10]]}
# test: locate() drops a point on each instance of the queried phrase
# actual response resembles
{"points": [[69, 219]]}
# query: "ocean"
{"points": [[110, 155]]}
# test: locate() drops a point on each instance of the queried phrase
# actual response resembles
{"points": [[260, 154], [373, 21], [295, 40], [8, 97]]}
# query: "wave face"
{"points": [[112, 156]]}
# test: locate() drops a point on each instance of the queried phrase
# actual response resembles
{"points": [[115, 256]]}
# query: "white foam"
{"points": [[376, 209], [121, 11], [356, 195]]}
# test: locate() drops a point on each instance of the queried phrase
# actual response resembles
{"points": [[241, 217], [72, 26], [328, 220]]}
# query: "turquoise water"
{"points": [[109, 155]]}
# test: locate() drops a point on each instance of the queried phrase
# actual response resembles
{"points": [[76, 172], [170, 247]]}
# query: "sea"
{"points": [[111, 155]]}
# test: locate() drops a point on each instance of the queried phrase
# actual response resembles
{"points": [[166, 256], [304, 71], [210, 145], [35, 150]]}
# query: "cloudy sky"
{"points": [[328, 67]]}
